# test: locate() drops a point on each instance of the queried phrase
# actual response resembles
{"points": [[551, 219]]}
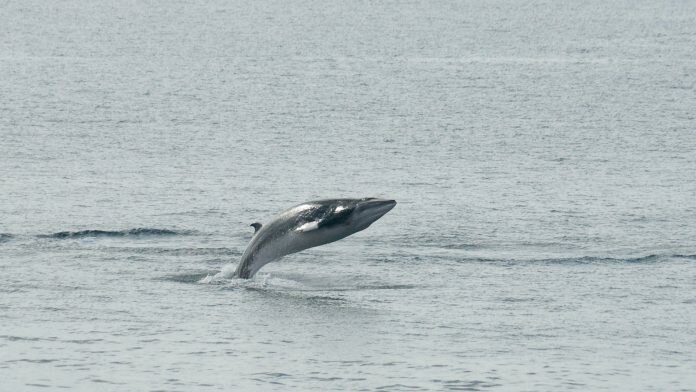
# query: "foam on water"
{"points": [[226, 273]]}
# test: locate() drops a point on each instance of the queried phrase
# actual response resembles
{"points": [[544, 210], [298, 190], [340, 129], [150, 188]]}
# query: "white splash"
{"points": [[226, 272]]}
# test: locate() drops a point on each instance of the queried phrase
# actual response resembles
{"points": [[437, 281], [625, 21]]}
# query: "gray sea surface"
{"points": [[543, 155]]}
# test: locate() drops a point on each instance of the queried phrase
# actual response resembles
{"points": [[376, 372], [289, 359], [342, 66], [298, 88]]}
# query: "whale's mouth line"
{"points": [[377, 209], [376, 214]]}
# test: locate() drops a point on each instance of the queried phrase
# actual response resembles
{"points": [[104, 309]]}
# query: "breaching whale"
{"points": [[308, 225]]}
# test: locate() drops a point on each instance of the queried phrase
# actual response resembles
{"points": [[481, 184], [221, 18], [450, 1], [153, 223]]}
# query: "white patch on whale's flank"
{"points": [[339, 208], [309, 226]]}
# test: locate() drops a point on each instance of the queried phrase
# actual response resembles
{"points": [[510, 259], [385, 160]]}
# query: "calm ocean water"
{"points": [[543, 155]]}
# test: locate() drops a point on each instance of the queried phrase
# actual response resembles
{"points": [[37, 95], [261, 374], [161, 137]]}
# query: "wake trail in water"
{"points": [[598, 259], [137, 232], [652, 258]]}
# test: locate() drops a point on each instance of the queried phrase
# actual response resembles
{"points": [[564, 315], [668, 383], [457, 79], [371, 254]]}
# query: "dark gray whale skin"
{"points": [[308, 225]]}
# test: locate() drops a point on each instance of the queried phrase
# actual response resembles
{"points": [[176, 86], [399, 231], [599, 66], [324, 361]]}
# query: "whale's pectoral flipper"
{"points": [[256, 226]]}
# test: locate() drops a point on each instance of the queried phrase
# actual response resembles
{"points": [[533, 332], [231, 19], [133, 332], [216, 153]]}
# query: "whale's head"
{"points": [[337, 218], [366, 211]]}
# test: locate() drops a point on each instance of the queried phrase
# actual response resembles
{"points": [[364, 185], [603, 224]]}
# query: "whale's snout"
{"points": [[371, 209], [381, 206]]}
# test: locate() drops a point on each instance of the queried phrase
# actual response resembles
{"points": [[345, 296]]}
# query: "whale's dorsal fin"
{"points": [[256, 226]]}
